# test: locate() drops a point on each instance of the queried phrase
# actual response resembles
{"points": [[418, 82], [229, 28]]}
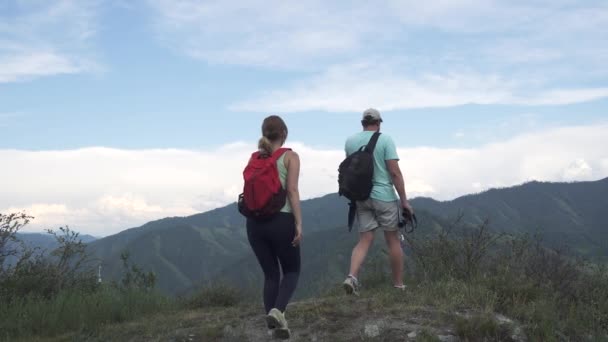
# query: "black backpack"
{"points": [[355, 175]]}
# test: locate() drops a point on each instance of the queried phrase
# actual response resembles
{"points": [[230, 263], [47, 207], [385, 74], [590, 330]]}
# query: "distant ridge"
{"points": [[186, 251]]}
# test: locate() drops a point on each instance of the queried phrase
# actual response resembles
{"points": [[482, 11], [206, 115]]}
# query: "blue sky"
{"points": [[103, 78], [150, 74]]}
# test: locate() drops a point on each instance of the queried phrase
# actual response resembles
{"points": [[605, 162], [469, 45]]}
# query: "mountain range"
{"points": [[188, 252]]}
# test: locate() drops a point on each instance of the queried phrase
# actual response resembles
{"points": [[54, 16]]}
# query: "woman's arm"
{"points": [[293, 193]]}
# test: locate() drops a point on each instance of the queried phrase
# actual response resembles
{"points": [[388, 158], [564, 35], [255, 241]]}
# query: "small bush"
{"points": [[427, 336], [134, 277], [50, 294], [376, 271], [215, 296], [480, 328], [459, 251], [75, 311], [36, 273], [551, 292]]}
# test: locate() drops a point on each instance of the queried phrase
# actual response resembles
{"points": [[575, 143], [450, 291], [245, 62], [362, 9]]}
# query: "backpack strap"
{"points": [[372, 142], [275, 155], [352, 210], [352, 206], [278, 153]]}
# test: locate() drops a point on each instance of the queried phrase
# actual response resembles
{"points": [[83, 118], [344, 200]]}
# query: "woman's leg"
{"points": [[289, 258], [290, 263], [267, 259]]}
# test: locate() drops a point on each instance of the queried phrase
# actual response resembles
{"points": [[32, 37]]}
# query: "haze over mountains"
{"points": [[186, 252], [44, 243]]}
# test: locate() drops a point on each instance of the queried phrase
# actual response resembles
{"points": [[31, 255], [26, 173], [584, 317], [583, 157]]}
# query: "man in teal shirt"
{"points": [[382, 209]]}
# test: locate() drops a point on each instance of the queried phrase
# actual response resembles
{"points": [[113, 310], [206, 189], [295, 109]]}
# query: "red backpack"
{"points": [[263, 195]]}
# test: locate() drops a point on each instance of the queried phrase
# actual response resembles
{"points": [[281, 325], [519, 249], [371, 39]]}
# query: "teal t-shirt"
{"points": [[383, 189]]}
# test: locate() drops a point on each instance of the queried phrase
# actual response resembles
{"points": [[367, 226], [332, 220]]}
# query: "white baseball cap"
{"points": [[372, 114]]}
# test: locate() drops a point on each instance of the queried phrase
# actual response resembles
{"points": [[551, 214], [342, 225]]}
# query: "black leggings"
{"points": [[271, 243]]}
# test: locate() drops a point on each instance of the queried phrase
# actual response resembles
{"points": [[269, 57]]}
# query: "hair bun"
{"points": [[265, 146]]}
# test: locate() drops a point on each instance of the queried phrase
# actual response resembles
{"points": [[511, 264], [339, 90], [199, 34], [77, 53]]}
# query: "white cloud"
{"points": [[499, 16], [351, 87], [429, 53], [40, 39], [578, 170], [557, 154], [355, 86], [37, 64], [101, 191], [278, 33], [458, 15], [263, 33], [563, 96]]}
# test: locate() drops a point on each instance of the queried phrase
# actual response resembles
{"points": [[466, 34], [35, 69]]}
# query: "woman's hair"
{"points": [[273, 130]]}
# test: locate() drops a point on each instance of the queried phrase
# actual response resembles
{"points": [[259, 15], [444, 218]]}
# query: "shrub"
{"points": [[49, 294], [552, 292], [217, 295]]}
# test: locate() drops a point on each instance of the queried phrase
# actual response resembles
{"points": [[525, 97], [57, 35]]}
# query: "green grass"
{"points": [[548, 297], [427, 336], [76, 311], [481, 327], [465, 308], [469, 307], [544, 309], [219, 295]]}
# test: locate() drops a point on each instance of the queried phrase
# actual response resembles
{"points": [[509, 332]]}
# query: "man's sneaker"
{"points": [[276, 320], [400, 287], [351, 286]]}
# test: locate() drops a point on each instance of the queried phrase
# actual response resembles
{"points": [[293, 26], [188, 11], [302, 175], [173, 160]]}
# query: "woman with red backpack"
{"points": [[271, 203]]}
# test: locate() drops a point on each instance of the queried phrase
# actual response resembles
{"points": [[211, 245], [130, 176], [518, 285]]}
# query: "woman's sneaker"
{"points": [[276, 320], [351, 285]]}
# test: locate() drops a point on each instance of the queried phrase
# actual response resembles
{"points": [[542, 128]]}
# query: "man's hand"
{"points": [[408, 208]]}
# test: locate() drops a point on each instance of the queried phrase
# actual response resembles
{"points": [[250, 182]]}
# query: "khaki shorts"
{"points": [[372, 214]]}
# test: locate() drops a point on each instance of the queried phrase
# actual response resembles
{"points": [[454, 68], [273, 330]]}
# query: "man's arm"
{"points": [[399, 183], [392, 164], [397, 177]]}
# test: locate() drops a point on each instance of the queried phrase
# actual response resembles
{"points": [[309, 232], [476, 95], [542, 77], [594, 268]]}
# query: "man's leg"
{"points": [[360, 252], [367, 223], [395, 255], [387, 214], [366, 220]]}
